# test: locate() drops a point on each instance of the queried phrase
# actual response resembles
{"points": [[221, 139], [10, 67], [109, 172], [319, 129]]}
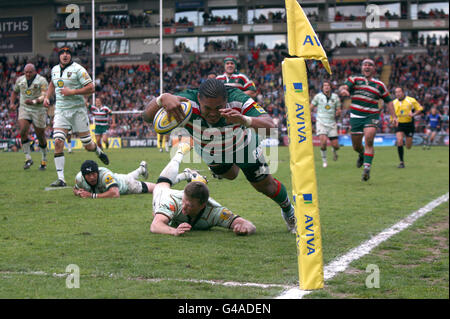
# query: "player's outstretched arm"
{"points": [[241, 226], [112, 192], [264, 121], [160, 225], [171, 103]]}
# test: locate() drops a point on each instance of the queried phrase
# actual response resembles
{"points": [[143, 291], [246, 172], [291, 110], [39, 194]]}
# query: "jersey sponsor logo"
{"points": [[259, 108], [60, 83], [225, 214], [85, 75], [109, 179], [28, 92]]}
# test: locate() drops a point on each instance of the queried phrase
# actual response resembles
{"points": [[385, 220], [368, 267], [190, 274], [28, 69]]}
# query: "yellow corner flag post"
{"points": [[303, 44]]}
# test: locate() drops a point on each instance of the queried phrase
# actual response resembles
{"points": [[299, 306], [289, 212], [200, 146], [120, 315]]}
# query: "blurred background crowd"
{"points": [[130, 87]]}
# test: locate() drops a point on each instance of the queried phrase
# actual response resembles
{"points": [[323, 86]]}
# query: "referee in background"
{"points": [[406, 108]]}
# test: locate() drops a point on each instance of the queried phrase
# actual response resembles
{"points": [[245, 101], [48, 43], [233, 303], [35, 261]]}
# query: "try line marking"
{"points": [[331, 270], [55, 188], [341, 263]]}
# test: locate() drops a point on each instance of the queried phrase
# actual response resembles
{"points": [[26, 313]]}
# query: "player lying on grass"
{"points": [[99, 182], [223, 127], [176, 212]]}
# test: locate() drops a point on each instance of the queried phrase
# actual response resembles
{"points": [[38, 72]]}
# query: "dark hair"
{"points": [[213, 88], [197, 190], [325, 81]]}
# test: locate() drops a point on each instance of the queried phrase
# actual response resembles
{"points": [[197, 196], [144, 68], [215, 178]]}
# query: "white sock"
{"points": [[59, 164], [171, 170], [136, 173], [26, 147], [180, 177], [324, 155]]}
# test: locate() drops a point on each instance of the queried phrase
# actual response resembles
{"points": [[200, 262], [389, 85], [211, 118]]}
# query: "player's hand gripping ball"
{"points": [[164, 125]]}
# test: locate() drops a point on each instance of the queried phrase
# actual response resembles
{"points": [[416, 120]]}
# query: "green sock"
{"points": [[368, 158], [281, 197]]}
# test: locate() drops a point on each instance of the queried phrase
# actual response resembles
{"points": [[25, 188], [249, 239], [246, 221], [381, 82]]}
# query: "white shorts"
{"points": [[76, 119], [37, 116], [328, 130], [160, 194], [134, 186]]}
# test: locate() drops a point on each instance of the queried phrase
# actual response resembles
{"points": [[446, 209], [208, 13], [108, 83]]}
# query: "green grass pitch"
{"points": [[42, 232]]}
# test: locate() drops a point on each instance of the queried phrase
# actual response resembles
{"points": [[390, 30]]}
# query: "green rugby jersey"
{"points": [[101, 115], [213, 214], [365, 94], [238, 80], [30, 92], [73, 76], [220, 142], [106, 179]]}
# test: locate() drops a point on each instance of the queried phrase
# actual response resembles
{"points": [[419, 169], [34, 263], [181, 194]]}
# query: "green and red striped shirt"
{"points": [[222, 139], [238, 80], [365, 94]]}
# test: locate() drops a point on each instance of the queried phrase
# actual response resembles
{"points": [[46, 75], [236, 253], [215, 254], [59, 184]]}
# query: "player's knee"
{"points": [[59, 136], [86, 140]]}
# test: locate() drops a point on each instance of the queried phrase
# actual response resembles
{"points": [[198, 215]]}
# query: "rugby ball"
{"points": [[164, 125]]}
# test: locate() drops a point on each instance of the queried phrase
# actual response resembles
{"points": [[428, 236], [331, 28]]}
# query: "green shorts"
{"points": [[358, 124], [101, 129]]}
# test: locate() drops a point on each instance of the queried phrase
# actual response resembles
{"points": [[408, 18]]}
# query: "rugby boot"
{"points": [[104, 158], [58, 183], [28, 164], [144, 169], [43, 166], [194, 176], [365, 175], [290, 220]]}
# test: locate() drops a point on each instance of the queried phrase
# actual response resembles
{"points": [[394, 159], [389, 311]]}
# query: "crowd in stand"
{"points": [[104, 21], [129, 20], [128, 88]]}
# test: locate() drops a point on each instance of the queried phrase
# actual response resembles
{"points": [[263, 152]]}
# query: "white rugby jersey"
{"points": [[73, 76], [30, 92]]}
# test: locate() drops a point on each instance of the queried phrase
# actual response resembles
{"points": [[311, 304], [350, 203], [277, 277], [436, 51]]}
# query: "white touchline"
{"points": [[341, 263], [336, 266]]}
